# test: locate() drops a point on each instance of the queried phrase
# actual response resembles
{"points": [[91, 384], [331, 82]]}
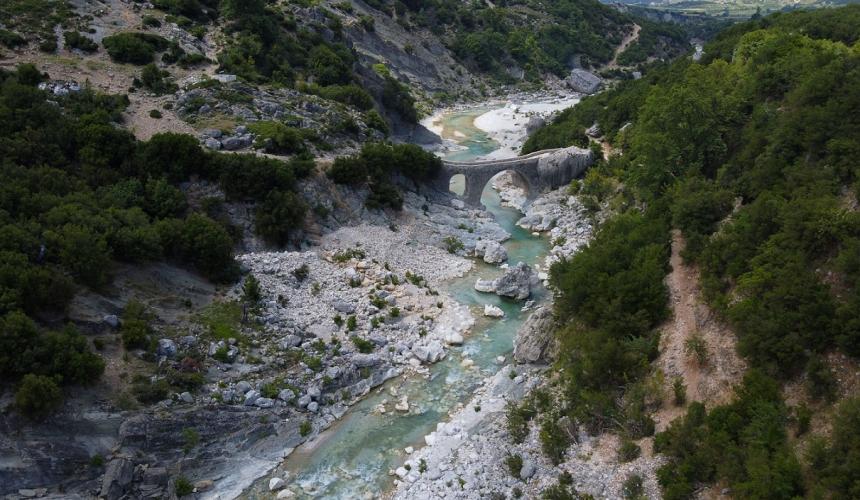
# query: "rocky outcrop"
{"points": [[492, 251], [534, 339], [535, 123], [117, 478], [515, 283], [584, 81]]}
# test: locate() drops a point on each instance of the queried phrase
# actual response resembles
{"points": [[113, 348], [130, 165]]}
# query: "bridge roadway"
{"points": [[540, 171]]}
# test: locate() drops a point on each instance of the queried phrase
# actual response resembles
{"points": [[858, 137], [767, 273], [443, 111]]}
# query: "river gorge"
{"points": [[355, 456]]}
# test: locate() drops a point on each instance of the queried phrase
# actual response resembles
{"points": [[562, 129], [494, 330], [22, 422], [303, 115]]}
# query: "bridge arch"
{"points": [[541, 171]]}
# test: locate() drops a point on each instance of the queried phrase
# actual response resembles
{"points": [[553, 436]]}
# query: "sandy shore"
{"points": [[504, 121]]}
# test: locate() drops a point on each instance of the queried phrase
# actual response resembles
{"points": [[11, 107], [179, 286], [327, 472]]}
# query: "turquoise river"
{"points": [[352, 459]]}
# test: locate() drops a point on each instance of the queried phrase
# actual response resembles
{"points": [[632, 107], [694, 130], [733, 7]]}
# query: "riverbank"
{"points": [[503, 123]]}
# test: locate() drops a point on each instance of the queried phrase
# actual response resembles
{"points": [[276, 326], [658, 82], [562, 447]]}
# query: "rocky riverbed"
{"points": [[465, 457]]}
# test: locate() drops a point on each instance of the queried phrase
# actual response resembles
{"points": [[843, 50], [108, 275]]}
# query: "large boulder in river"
{"points": [[534, 339], [515, 283], [495, 253]]}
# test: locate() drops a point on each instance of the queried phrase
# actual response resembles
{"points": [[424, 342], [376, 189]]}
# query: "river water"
{"points": [[352, 458]]}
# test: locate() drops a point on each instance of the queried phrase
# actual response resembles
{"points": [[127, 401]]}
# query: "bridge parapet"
{"points": [[541, 171]]}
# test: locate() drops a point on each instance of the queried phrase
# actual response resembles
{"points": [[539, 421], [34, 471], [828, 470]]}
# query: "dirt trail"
{"points": [[712, 381], [628, 39]]}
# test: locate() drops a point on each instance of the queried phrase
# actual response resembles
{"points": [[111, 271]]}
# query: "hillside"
{"points": [[341, 72], [749, 155]]}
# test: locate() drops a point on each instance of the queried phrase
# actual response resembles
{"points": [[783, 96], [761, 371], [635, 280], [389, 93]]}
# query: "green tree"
{"points": [[38, 396]]}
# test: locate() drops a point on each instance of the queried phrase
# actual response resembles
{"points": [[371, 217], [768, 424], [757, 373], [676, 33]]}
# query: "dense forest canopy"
{"points": [[752, 154]]}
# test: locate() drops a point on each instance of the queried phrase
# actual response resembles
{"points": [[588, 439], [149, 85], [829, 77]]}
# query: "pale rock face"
{"points": [[485, 286], [492, 311], [534, 337], [402, 405], [276, 484], [495, 253], [454, 339]]}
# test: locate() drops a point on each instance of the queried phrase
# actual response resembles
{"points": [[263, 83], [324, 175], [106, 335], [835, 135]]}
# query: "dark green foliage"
{"points": [[351, 94], [37, 396], [518, 420], [279, 216], [837, 470], [78, 41], [63, 355], [174, 156], [251, 290], [514, 464], [378, 163], [750, 154], [396, 97], [201, 242], [616, 282], [135, 328], [11, 40], [563, 132], [553, 439], [156, 80], [820, 381], [743, 443], [363, 345], [628, 451], [384, 195], [265, 45], [134, 48], [633, 489], [182, 486], [277, 138]]}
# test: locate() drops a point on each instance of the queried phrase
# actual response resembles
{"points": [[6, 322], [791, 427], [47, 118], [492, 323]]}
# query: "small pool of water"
{"points": [[352, 459]]}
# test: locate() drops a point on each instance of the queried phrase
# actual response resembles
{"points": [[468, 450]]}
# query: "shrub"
{"points": [[351, 323], [78, 41], [134, 48], [453, 244], [679, 391], [135, 328], [277, 138], [514, 464], [364, 346], [11, 40], [696, 347], [633, 489], [37, 396], [628, 451], [305, 428], [301, 273], [518, 418], [155, 114], [251, 290], [553, 439], [743, 443], [182, 486], [280, 216], [156, 80], [190, 438], [820, 381]]}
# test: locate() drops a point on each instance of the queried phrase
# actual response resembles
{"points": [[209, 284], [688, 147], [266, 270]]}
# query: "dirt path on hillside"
{"points": [[712, 381], [626, 42]]}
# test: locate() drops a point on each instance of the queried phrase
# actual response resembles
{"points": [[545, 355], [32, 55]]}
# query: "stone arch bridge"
{"points": [[540, 171]]}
